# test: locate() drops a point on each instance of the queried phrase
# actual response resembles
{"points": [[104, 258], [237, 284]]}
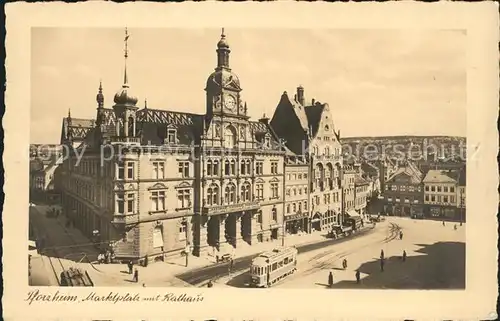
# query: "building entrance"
{"points": [[230, 229], [274, 234], [213, 231], [316, 222]]}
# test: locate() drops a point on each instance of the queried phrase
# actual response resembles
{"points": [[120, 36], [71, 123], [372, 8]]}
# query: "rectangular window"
{"points": [[184, 169], [402, 188], [184, 198], [426, 198], [182, 231], [445, 199], [274, 168], [120, 203], [452, 199], [158, 201], [171, 136], [120, 170], [130, 203], [158, 170], [433, 188], [259, 168], [452, 189], [433, 198], [130, 170], [439, 198], [445, 189], [259, 191], [274, 190], [426, 188], [394, 188], [439, 188]]}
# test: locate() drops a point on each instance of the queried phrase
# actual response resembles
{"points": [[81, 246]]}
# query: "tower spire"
{"points": [[125, 77]]}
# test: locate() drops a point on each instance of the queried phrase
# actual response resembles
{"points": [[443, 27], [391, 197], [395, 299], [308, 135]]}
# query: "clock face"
{"points": [[230, 103]]}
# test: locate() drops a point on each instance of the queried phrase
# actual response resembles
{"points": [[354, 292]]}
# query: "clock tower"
{"points": [[223, 88]]}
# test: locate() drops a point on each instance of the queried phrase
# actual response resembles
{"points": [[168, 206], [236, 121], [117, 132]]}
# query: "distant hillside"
{"points": [[446, 147]]}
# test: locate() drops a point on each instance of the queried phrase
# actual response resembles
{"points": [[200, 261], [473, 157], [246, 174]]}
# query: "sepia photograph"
{"points": [[227, 158], [251, 161]]}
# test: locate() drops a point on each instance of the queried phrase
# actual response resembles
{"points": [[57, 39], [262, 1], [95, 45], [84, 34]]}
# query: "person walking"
{"points": [[443, 223], [130, 266], [330, 279], [382, 254], [455, 227], [404, 256], [146, 260], [400, 235], [358, 276], [136, 276], [344, 264]]}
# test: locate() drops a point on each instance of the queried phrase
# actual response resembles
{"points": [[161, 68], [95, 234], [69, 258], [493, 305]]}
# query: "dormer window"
{"points": [[267, 141], [171, 136]]}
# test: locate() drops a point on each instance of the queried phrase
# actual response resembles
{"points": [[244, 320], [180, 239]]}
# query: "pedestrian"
{"points": [[400, 235], [404, 256], [330, 279], [210, 284], [455, 227], [231, 264], [136, 276], [382, 254], [344, 264], [144, 285], [443, 223], [358, 276], [382, 265], [130, 266], [146, 259]]}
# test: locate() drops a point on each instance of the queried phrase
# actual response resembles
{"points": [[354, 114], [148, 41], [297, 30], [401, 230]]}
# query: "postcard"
{"points": [[251, 161]]}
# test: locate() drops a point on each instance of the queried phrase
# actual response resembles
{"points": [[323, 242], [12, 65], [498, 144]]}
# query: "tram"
{"points": [[271, 267]]}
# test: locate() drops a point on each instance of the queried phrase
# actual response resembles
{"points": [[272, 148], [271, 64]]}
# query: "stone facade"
{"points": [[156, 183]]}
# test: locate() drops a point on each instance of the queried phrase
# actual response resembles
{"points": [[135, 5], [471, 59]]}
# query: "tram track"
{"points": [[52, 251], [325, 259]]}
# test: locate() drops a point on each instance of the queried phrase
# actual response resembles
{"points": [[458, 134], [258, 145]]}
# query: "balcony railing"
{"points": [[119, 139], [230, 208]]}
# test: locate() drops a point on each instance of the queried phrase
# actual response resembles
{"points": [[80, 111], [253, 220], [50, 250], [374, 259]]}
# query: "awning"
{"points": [[353, 214], [295, 217]]}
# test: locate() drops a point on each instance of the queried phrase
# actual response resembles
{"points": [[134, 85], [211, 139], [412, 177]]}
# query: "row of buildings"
{"points": [[431, 193], [176, 181]]}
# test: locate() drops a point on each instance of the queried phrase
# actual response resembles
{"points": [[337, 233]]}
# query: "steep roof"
{"points": [[440, 176], [314, 117], [409, 170]]}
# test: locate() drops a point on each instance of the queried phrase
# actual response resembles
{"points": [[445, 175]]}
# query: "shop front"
{"points": [[296, 223], [354, 220]]}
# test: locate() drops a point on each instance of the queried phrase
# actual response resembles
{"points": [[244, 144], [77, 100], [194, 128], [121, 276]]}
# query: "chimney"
{"points": [[300, 95], [264, 119], [313, 101]]}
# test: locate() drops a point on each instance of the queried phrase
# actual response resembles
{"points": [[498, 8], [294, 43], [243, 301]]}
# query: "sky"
{"points": [[376, 82]]}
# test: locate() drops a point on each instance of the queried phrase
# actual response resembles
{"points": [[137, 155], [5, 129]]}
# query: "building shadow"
{"points": [[442, 266], [241, 280]]}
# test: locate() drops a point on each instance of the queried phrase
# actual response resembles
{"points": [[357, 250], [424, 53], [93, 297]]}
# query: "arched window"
{"points": [[213, 195], [227, 168], [300, 207], [230, 194], [245, 192], [294, 206], [233, 167], [229, 137], [131, 127]]}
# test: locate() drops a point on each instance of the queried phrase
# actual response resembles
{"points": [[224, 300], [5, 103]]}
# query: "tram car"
{"points": [[271, 267]]}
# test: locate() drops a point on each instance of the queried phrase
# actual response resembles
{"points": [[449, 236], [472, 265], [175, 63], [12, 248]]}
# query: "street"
{"points": [[202, 275], [435, 260], [63, 247]]}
